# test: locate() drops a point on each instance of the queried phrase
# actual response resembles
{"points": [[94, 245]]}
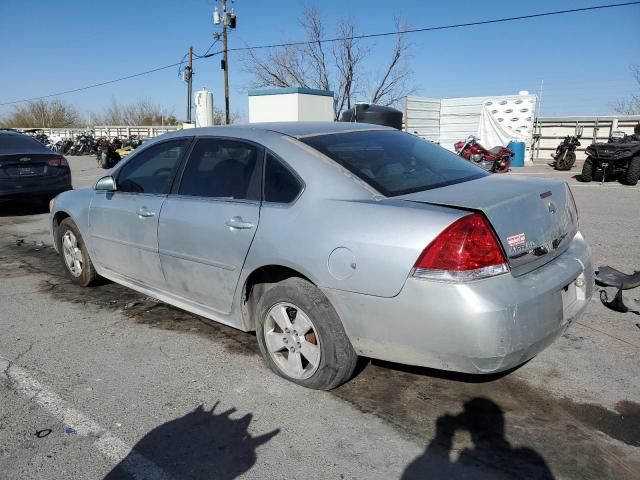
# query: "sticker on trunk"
{"points": [[516, 240]]}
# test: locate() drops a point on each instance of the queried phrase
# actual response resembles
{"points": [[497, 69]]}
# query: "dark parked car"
{"points": [[28, 169]]}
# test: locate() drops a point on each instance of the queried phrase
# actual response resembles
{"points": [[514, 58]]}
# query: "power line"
{"points": [[206, 54], [441, 27], [93, 85], [337, 39]]}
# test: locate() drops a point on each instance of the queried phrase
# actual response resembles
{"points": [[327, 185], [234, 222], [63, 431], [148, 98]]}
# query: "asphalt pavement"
{"points": [[103, 382]]}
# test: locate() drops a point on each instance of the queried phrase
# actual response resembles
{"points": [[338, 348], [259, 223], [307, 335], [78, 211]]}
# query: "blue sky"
{"points": [[583, 58]]}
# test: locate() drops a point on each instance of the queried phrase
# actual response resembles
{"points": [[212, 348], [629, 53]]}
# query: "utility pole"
{"points": [[228, 20], [189, 79], [225, 62]]}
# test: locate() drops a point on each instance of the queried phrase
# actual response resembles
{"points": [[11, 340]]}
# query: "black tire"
{"points": [[566, 161], [88, 274], [633, 171], [337, 360], [114, 158], [587, 170], [103, 160]]}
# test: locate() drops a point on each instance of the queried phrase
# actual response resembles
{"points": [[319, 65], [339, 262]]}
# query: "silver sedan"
{"points": [[334, 240]]}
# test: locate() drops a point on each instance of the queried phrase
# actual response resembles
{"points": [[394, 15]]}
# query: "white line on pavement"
{"points": [[134, 463]]}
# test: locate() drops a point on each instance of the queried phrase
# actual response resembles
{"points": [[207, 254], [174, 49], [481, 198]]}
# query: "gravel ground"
{"points": [[152, 392]]}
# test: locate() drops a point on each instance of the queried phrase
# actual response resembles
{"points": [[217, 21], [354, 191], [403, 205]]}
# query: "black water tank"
{"points": [[377, 114]]}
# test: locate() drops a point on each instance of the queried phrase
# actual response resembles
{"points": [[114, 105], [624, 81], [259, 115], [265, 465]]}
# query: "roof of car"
{"points": [[299, 129]]}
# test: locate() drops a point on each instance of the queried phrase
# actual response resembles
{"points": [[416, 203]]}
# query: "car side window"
{"points": [[222, 168], [152, 170], [280, 184]]}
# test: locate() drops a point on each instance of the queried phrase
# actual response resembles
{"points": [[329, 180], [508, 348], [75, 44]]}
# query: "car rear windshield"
{"points": [[12, 144], [394, 162]]}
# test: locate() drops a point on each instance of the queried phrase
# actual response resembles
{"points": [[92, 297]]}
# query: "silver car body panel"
{"points": [[484, 326], [359, 248]]}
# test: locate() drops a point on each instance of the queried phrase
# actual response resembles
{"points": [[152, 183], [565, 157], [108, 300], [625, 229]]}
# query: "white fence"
{"points": [[550, 131], [110, 131], [446, 121], [449, 120]]}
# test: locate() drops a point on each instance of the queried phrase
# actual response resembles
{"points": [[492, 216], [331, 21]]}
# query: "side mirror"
{"points": [[106, 184]]}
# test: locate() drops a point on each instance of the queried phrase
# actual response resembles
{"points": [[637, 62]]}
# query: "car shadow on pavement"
{"points": [[202, 444], [22, 207], [492, 456], [444, 374]]}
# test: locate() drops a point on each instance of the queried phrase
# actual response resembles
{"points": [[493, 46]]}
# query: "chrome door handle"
{"points": [[144, 213], [239, 223]]}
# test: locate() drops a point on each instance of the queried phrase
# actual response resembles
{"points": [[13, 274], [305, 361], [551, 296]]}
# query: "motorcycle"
{"points": [[565, 154], [84, 144], [495, 160], [55, 142], [107, 155]]}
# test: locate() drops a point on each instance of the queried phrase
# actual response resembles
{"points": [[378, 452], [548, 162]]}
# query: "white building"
{"points": [[290, 105]]}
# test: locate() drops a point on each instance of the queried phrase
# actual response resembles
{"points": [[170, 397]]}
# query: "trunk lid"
{"points": [[534, 219], [27, 165]]}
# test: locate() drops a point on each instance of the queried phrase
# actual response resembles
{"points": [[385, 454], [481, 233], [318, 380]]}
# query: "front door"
{"points": [[123, 225], [206, 228]]}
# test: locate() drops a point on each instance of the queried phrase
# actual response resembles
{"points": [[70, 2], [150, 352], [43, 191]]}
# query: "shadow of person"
{"points": [[492, 456], [199, 445]]}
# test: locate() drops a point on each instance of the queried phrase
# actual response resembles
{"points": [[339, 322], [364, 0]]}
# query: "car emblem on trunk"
{"points": [[552, 207], [24, 159]]}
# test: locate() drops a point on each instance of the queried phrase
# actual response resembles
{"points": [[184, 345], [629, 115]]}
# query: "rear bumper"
{"points": [[29, 187], [485, 326]]}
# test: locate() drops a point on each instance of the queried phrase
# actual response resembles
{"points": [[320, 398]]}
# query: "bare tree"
{"points": [[630, 105], [349, 55], [43, 113], [344, 68], [219, 116], [141, 112], [393, 83]]}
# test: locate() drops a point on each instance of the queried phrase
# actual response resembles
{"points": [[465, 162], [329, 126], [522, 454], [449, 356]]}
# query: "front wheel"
{"points": [[587, 170], [633, 171], [566, 161], [73, 251], [301, 337]]}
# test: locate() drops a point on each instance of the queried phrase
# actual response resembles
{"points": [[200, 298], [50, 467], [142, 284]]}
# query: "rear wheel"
{"points": [[633, 171], [73, 252], [566, 161], [301, 337], [587, 170]]}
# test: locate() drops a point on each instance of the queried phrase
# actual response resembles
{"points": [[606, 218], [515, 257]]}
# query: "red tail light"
{"points": [[466, 250], [57, 162]]}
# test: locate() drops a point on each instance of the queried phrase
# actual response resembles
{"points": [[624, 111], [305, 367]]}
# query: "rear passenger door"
{"points": [[208, 223]]}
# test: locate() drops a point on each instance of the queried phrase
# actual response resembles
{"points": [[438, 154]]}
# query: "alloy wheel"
{"points": [[292, 341], [72, 253]]}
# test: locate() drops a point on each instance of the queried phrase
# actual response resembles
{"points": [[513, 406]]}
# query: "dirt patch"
{"points": [[623, 424], [508, 426], [419, 401], [27, 257]]}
